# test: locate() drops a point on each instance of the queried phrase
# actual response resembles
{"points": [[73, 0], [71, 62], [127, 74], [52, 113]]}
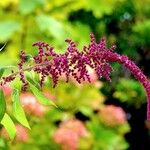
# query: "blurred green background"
{"points": [[96, 107]]}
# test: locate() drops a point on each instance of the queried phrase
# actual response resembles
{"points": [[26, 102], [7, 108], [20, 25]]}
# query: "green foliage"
{"points": [[142, 32], [40, 97], [105, 138], [2, 105], [27, 7], [9, 126], [101, 7], [7, 29], [71, 98], [5, 69], [22, 22], [130, 91], [1, 71], [18, 111], [51, 26]]}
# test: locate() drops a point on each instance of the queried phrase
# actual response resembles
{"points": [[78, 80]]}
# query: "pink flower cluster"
{"points": [[69, 134], [31, 105], [112, 115]]}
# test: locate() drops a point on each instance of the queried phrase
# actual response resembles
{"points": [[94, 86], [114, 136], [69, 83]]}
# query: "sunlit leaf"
{"points": [[9, 126], [2, 143], [7, 29], [2, 104], [50, 26], [29, 6], [101, 7], [18, 111], [30, 78], [40, 97]]}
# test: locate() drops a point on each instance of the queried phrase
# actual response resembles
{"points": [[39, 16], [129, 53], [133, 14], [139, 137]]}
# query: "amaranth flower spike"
{"points": [[74, 64]]}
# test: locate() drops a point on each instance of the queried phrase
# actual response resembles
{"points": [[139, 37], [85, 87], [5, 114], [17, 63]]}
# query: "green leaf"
{"points": [[40, 97], [101, 7], [18, 111], [7, 29], [1, 72], [2, 104], [9, 126], [51, 26], [29, 6], [31, 79], [2, 69], [2, 144]]}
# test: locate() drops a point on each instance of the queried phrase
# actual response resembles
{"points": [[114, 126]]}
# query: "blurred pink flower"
{"points": [[31, 105], [69, 134], [112, 115], [7, 89], [22, 134], [67, 138], [76, 126], [49, 95]]}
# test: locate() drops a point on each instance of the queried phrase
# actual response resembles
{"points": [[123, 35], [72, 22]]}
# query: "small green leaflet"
{"points": [[30, 79], [2, 47], [2, 104], [18, 111], [40, 97], [2, 69], [1, 72], [9, 126]]}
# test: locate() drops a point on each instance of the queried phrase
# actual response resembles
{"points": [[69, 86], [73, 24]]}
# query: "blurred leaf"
{"points": [[105, 138], [123, 129], [40, 97], [75, 31], [2, 104], [7, 29], [29, 6], [50, 26], [18, 111], [2, 143], [87, 111], [101, 7], [9, 126], [142, 32], [130, 91]]}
